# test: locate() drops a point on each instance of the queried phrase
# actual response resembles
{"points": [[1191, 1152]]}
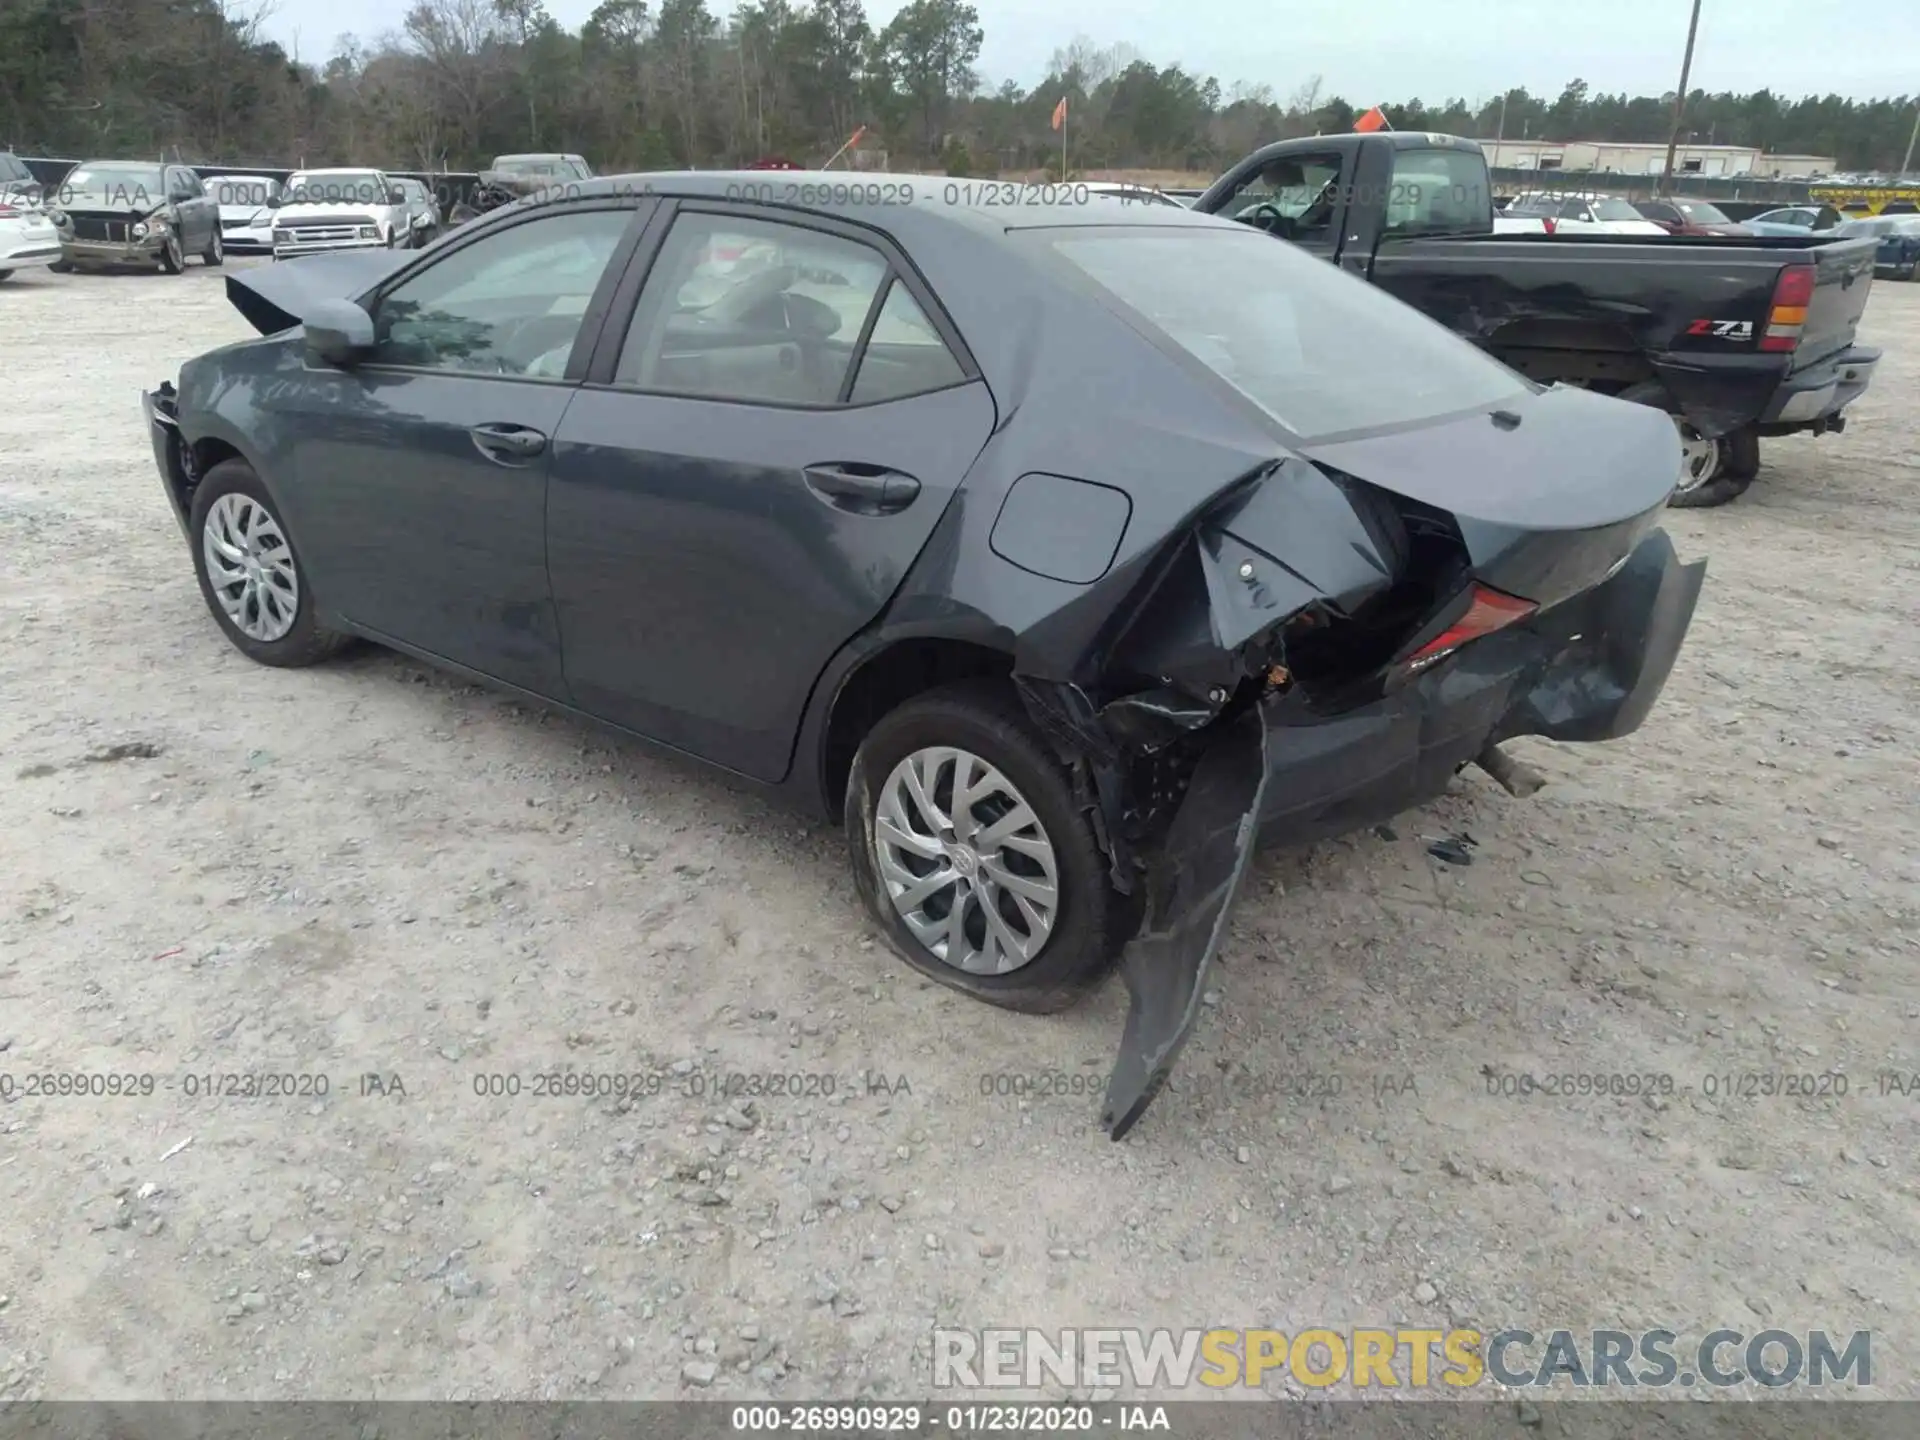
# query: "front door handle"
{"points": [[508, 444], [862, 489]]}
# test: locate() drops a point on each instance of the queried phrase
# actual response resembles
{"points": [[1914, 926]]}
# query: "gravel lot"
{"points": [[208, 867]]}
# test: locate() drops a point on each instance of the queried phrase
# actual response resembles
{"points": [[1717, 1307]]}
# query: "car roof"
{"points": [[895, 203], [343, 170]]}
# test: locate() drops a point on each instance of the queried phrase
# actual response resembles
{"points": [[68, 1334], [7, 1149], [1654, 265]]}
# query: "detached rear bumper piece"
{"points": [[1587, 669]]}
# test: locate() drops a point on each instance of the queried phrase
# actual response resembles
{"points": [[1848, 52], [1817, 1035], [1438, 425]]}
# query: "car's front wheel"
{"points": [[970, 850], [172, 259], [250, 572], [216, 251]]}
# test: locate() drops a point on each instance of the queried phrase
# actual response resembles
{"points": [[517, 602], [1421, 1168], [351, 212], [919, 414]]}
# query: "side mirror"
{"points": [[396, 196], [274, 202], [339, 332]]}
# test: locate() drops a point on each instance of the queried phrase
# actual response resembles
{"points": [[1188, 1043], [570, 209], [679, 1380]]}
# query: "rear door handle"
{"points": [[862, 489], [508, 444]]}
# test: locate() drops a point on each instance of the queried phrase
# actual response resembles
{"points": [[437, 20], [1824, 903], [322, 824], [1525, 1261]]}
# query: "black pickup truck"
{"points": [[1737, 337]]}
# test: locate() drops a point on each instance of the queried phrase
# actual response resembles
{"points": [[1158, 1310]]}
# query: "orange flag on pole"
{"points": [[1374, 119], [1060, 113]]}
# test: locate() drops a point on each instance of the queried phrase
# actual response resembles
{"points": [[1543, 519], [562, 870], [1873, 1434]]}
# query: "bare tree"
{"points": [[459, 42]]}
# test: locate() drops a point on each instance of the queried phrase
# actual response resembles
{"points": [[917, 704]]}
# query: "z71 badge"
{"points": [[1722, 329]]}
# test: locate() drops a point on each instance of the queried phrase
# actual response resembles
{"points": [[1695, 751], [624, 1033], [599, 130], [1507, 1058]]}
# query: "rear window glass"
{"points": [[1438, 191], [1318, 350]]}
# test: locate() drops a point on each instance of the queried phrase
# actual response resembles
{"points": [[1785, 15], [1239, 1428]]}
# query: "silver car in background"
{"points": [[423, 212], [246, 210]]}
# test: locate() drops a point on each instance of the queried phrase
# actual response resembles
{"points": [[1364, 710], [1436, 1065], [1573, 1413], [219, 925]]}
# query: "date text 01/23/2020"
{"points": [[865, 1419]]}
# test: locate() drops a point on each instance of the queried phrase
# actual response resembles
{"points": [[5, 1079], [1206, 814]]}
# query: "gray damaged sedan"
{"points": [[1066, 551]]}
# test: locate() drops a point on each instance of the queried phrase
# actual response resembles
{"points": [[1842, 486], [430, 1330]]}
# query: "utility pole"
{"points": [[1679, 104], [1907, 163], [1501, 132]]}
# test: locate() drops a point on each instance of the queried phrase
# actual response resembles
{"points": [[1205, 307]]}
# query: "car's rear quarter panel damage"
{"points": [[1224, 681]]}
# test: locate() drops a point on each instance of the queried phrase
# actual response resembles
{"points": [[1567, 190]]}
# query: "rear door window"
{"points": [[752, 310]]}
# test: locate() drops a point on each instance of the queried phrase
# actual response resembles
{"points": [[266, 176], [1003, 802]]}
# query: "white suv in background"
{"points": [[339, 210]]}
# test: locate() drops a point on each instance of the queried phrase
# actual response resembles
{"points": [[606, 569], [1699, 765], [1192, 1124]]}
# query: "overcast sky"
{"points": [[1371, 51]]}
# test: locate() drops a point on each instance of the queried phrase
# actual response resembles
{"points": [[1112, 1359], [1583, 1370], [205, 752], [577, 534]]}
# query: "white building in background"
{"points": [[1605, 157]]}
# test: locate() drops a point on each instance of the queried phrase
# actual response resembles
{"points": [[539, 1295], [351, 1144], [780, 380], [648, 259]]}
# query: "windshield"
{"points": [[336, 187], [1320, 351], [1608, 208], [132, 184], [1702, 213], [239, 190]]}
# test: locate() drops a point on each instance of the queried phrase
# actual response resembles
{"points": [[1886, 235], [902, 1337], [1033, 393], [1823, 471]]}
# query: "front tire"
{"points": [[972, 854], [250, 573], [172, 259], [216, 251]]}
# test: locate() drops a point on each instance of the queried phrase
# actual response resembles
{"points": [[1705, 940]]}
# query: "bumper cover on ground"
{"points": [[1589, 669]]}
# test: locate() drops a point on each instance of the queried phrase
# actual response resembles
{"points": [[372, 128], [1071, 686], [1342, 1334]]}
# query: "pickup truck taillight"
{"points": [[1792, 293], [1549, 224], [9, 212]]}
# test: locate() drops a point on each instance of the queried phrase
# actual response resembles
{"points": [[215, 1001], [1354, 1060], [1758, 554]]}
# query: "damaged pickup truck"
{"points": [[1066, 553]]}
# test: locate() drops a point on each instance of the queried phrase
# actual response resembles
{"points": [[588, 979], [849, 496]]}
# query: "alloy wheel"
{"points": [[965, 861], [250, 567]]}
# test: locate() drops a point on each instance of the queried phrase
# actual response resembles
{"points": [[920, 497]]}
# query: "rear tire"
{"points": [[301, 643], [1090, 921], [1736, 457]]}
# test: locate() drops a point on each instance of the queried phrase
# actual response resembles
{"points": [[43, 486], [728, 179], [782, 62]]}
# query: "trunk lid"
{"points": [[1548, 494]]}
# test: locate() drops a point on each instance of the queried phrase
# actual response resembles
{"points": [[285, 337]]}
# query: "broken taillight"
{"points": [[1792, 293], [1488, 610]]}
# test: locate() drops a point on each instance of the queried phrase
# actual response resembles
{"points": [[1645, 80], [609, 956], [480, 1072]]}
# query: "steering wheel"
{"points": [[1268, 217]]}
